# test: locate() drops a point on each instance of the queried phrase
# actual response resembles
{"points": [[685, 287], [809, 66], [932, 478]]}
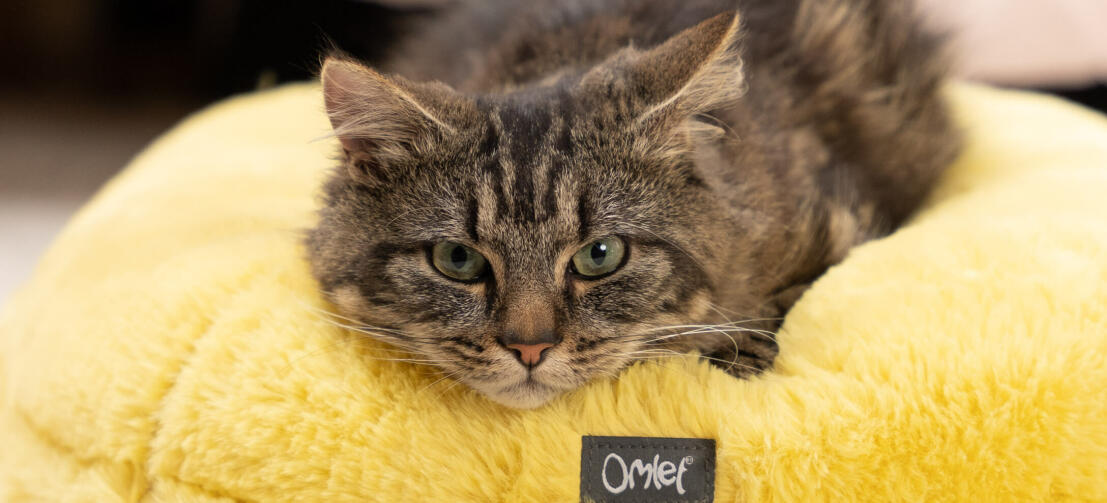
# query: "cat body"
{"points": [[547, 191]]}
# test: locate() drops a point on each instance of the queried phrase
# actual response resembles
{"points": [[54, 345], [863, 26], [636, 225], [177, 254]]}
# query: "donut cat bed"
{"points": [[172, 346]]}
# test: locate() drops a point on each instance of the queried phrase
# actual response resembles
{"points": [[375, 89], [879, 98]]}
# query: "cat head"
{"points": [[531, 240]]}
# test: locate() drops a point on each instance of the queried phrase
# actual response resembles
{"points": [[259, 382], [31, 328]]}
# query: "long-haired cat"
{"points": [[541, 192]]}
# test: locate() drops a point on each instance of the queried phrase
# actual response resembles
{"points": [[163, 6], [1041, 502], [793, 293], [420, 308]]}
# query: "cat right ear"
{"points": [[382, 121]]}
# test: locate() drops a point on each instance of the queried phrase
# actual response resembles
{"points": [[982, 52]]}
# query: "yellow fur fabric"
{"points": [[170, 348]]}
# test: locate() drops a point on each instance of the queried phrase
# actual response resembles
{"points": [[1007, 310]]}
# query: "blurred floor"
{"points": [[54, 155]]}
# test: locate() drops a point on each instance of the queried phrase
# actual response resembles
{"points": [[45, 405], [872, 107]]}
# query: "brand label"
{"points": [[647, 469]]}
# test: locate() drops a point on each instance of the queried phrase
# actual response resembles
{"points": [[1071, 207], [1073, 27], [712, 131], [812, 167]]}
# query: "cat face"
{"points": [[527, 242]]}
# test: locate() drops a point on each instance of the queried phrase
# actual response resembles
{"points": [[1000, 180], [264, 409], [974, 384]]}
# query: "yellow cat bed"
{"points": [[171, 348]]}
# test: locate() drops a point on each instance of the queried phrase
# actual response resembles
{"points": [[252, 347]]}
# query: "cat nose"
{"points": [[529, 351], [530, 354]]}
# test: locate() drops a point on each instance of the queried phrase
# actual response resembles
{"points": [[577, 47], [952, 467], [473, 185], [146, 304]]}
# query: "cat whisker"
{"points": [[398, 348], [444, 376], [318, 310], [337, 343], [764, 333], [733, 341], [416, 361], [730, 323], [363, 327], [649, 355], [657, 359], [718, 308], [723, 329], [325, 349], [388, 347], [350, 321], [717, 328], [399, 345], [447, 389], [392, 336]]}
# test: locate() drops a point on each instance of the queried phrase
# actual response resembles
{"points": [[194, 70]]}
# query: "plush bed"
{"points": [[172, 345]]}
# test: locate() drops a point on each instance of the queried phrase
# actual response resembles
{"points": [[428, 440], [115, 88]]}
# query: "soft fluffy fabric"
{"points": [[170, 346]]}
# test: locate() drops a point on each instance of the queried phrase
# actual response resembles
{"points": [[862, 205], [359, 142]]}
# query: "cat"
{"points": [[534, 194]]}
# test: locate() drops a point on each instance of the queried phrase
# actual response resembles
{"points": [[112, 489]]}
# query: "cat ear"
{"points": [[696, 70], [380, 120]]}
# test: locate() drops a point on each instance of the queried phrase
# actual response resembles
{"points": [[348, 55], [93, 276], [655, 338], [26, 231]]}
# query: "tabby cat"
{"points": [[538, 193]]}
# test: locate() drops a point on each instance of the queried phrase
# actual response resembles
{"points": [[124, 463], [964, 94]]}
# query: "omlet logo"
{"points": [[618, 476], [647, 470]]}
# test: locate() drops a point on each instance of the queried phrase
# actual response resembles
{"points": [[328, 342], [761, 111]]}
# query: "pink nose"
{"points": [[530, 354]]}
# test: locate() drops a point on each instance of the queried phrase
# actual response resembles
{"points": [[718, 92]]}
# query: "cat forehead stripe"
{"points": [[525, 144]]}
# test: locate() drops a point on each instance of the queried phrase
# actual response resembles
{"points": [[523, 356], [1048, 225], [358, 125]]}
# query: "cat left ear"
{"points": [[381, 120], [694, 71]]}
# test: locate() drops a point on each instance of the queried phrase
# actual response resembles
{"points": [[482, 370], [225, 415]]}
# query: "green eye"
{"points": [[458, 261], [599, 258]]}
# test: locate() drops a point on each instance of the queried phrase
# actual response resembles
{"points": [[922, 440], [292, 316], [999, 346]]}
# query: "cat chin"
{"points": [[526, 395]]}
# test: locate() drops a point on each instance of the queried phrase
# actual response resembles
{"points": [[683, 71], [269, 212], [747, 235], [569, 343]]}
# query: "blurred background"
{"points": [[87, 83]]}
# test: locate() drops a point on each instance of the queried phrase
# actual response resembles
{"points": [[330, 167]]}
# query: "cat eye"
{"points": [[458, 261], [599, 258]]}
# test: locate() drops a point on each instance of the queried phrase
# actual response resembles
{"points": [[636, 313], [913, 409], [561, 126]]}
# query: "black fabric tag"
{"points": [[647, 469]]}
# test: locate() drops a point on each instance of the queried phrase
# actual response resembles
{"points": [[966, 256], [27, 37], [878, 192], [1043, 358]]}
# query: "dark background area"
{"points": [[87, 83], [198, 50]]}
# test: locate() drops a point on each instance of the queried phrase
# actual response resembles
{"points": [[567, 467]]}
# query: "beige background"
{"points": [[1027, 42]]}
